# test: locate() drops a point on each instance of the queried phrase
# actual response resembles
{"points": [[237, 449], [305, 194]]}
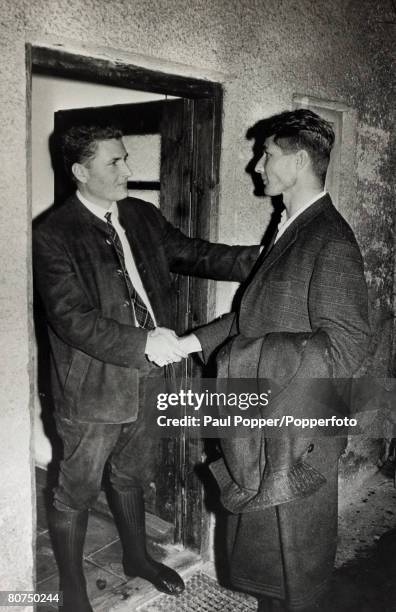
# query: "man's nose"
{"points": [[125, 170], [260, 166]]}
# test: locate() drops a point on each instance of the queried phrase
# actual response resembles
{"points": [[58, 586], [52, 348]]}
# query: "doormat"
{"points": [[202, 594]]}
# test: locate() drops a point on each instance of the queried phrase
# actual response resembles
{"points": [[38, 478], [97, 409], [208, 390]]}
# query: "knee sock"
{"points": [[68, 531], [129, 514]]}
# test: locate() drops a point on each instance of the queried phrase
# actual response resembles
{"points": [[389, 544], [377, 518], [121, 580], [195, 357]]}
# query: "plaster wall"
{"points": [[263, 51]]}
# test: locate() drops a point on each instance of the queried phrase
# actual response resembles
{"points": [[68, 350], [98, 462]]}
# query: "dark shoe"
{"points": [[164, 578], [128, 509], [67, 530]]}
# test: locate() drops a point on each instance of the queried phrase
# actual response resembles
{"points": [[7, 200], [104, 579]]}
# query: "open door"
{"points": [[176, 137]]}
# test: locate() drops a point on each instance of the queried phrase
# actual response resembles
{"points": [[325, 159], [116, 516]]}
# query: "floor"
{"points": [[364, 578], [107, 585]]}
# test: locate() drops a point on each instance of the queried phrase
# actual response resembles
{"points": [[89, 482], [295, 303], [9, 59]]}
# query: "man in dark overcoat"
{"points": [[103, 266], [302, 322]]}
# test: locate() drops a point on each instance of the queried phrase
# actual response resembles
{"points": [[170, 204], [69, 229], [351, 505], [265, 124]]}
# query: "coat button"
{"points": [[126, 304], [119, 272], [310, 448], [108, 241]]}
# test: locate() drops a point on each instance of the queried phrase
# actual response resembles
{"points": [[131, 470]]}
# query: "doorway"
{"points": [[189, 129]]}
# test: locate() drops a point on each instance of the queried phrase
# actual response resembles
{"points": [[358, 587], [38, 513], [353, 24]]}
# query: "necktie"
{"points": [[142, 315], [272, 241], [263, 254]]}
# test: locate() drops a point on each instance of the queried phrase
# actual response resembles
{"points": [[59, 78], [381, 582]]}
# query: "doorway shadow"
{"points": [[43, 359], [44, 390], [258, 134]]}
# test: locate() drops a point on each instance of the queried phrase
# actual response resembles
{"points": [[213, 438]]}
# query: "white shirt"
{"points": [[284, 223], [130, 264]]}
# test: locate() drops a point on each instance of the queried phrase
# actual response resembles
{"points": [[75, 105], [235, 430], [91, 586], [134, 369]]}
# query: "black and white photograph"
{"points": [[198, 306]]}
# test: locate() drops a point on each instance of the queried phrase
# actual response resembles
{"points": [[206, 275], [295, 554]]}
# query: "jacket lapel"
{"points": [[85, 217], [143, 252], [282, 245], [291, 234]]}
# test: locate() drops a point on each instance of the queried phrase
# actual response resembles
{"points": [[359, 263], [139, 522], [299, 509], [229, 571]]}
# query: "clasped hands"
{"points": [[164, 346]]}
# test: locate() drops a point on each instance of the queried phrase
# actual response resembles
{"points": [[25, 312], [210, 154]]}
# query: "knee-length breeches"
{"points": [[129, 448]]}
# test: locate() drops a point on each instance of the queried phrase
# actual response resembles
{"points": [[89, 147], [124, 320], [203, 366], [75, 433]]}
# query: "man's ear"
{"points": [[80, 172], [302, 159]]}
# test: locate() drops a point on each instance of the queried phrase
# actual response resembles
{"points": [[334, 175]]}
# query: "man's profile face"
{"points": [[103, 178], [278, 169]]}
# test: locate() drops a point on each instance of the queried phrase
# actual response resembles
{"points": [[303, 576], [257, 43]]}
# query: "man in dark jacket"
{"points": [[303, 316], [102, 265]]}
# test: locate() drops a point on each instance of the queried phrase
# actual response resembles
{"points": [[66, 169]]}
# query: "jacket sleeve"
{"points": [[338, 305], [214, 334], [196, 257], [73, 317]]}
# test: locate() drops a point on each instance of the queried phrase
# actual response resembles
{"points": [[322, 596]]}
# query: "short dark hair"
{"points": [[79, 143], [304, 129]]}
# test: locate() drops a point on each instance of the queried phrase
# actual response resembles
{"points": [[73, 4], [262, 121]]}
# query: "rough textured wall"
{"points": [[268, 50], [16, 516]]}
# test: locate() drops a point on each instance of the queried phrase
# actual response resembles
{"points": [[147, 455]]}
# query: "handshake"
{"points": [[164, 346]]}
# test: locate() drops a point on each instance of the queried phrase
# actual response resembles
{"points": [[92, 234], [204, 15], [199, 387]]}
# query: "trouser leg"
{"points": [[68, 531], [86, 448]]}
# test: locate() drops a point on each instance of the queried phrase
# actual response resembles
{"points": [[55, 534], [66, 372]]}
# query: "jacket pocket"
{"points": [[75, 377], [106, 393]]}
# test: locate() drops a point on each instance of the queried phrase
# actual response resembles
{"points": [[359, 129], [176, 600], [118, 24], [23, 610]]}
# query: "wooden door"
{"points": [[185, 128]]}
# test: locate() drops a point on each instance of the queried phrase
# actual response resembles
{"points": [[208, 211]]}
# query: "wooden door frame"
{"points": [[207, 100]]}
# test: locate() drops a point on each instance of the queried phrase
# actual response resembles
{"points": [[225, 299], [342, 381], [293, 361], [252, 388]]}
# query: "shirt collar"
{"points": [[285, 222], [96, 210], [285, 219], [307, 205]]}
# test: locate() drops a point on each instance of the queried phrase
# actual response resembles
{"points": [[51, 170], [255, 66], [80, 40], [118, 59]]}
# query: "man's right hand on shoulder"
{"points": [[163, 347]]}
